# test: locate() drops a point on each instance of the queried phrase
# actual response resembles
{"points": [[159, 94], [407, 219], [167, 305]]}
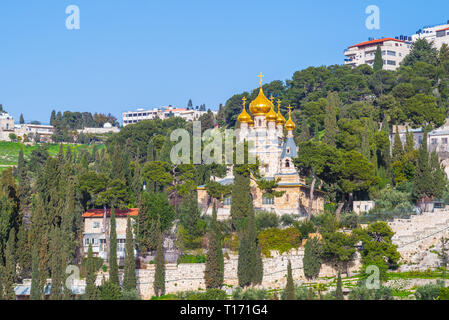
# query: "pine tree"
{"points": [[53, 118], [290, 287], [330, 120], [409, 143], [129, 277], [35, 292], [305, 132], [56, 292], [159, 274], [10, 267], [213, 275], [22, 120], [378, 61], [398, 150], [312, 258], [91, 275], [339, 289], [113, 267]]}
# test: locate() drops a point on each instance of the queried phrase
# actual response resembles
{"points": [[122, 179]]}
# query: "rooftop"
{"points": [[375, 41], [98, 213]]}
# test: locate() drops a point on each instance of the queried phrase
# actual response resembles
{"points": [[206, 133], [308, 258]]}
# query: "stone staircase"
{"points": [[416, 236]]}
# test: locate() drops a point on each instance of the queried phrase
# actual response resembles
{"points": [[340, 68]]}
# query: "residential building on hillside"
{"points": [[44, 132], [96, 230], [6, 122], [393, 52], [438, 34], [107, 128], [188, 114], [264, 130]]}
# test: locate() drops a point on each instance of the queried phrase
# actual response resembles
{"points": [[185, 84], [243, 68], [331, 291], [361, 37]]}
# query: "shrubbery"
{"points": [[279, 240], [265, 220], [429, 291], [190, 258], [209, 294], [250, 294]]}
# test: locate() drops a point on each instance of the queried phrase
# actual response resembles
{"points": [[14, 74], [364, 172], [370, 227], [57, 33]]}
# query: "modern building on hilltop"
{"points": [[189, 114], [437, 34], [97, 227], [275, 152], [393, 52]]}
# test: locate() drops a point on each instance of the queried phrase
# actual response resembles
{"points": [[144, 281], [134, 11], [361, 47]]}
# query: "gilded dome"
{"points": [[244, 116], [280, 120], [271, 115], [290, 125], [261, 105], [251, 123]]}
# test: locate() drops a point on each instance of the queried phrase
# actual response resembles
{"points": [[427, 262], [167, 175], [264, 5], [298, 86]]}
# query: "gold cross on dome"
{"points": [[289, 108], [261, 78], [271, 98], [244, 101], [279, 102]]}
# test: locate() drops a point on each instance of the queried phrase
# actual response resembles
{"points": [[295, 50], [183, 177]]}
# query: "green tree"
{"points": [[378, 61], [213, 275], [24, 184], [423, 180], [10, 267], [129, 277], [110, 291], [113, 267], [398, 150], [339, 289], [35, 291], [312, 258], [422, 51], [241, 199], [330, 120], [290, 287], [159, 274], [92, 292]]}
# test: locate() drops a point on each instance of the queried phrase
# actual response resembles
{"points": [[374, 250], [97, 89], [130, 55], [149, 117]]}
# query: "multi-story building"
{"points": [[44, 132], [438, 34], [394, 51], [6, 122], [97, 226], [140, 114]]}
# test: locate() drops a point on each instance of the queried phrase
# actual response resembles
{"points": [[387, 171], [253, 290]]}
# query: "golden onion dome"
{"points": [[280, 120], [271, 115], [290, 125], [261, 105], [251, 123], [244, 117]]}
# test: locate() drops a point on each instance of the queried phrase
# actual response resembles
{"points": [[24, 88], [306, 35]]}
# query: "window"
{"points": [[96, 225], [227, 201], [391, 63], [287, 163], [434, 141], [444, 140], [267, 200], [286, 197], [391, 53], [86, 241], [288, 150], [121, 245]]}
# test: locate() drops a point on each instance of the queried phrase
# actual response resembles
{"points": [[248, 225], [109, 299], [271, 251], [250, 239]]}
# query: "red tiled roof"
{"points": [[443, 29], [98, 213], [367, 43]]}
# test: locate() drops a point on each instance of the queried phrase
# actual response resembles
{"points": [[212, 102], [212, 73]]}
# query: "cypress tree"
{"points": [[439, 177], [91, 275], [67, 231], [43, 264], [36, 292], [10, 267], [339, 289], [23, 252], [113, 267], [312, 258], [129, 277], [290, 287], [159, 274], [241, 198], [56, 264], [378, 61], [213, 275], [22, 120], [24, 185], [423, 180], [398, 150], [330, 120], [409, 143]]}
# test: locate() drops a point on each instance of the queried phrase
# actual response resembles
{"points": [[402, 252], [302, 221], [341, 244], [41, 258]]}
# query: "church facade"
{"points": [[264, 131]]}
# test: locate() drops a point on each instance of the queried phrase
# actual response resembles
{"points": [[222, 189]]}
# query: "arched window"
{"points": [[286, 197], [260, 123], [287, 163], [288, 150]]}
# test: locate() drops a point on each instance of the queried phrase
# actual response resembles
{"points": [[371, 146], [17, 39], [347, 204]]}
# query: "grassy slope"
{"points": [[9, 151]]}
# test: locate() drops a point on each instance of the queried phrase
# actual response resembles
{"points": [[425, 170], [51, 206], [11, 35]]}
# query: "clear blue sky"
{"points": [[147, 53]]}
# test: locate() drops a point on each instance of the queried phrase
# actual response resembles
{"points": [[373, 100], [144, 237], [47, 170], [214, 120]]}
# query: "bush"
{"points": [[304, 227], [363, 293], [349, 220], [186, 241], [265, 220], [231, 242], [130, 295], [190, 258], [110, 291], [98, 264], [429, 291], [279, 240], [301, 293], [444, 294], [287, 220], [250, 294], [209, 294]]}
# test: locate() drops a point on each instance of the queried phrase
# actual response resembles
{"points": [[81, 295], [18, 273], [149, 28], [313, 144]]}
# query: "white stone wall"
{"points": [[190, 276]]}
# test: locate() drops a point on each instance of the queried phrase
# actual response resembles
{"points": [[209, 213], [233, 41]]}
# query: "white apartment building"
{"points": [[130, 117], [438, 34], [393, 52]]}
